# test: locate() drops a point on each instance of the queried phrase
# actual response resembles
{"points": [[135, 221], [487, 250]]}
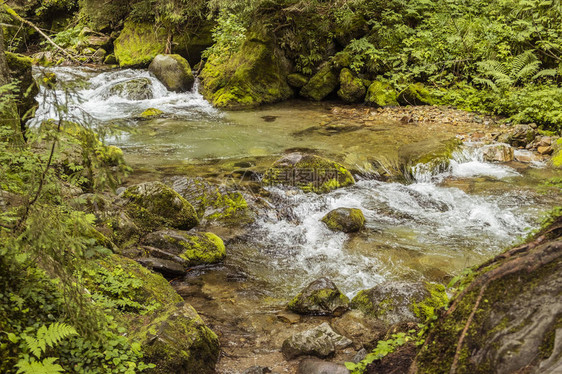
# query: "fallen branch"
{"points": [[16, 16]]}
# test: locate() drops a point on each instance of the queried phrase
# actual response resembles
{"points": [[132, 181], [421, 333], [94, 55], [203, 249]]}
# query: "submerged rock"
{"points": [[381, 94], [252, 76], [132, 89], [320, 297], [320, 341], [173, 71], [153, 204], [310, 173], [351, 89], [498, 153], [323, 83], [138, 44], [391, 302], [193, 249], [316, 366], [345, 219]]}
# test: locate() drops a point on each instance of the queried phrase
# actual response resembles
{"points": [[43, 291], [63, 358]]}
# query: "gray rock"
{"points": [[391, 302], [320, 297], [168, 268], [173, 71], [257, 370], [132, 89], [316, 366], [521, 135], [320, 341], [498, 153]]}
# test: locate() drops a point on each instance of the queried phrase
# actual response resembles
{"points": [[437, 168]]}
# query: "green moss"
{"points": [[351, 89], [381, 94], [557, 157], [153, 205], [206, 248], [138, 44], [297, 80], [345, 219], [151, 112], [416, 94], [323, 83], [20, 70], [249, 77]]}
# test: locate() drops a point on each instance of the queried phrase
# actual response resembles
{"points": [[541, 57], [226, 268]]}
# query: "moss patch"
{"points": [[151, 112], [206, 248], [351, 89], [323, 83], [138, 44], [381, 94]]}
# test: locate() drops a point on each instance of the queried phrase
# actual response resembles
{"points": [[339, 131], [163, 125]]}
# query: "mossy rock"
{"points": [[178, 341], [323, 83], [557, 155], [415, 94], [153, 204], [252, 76], [429, 157], [213, 204], [345, 219], [134, 89], [194, 248], [110, 59], [351, 89], [21, 70], [508, 316], [151, 112], [173, 71], [297, 80], [138, 44], [392, 302], [310, 173], [342, 60], [381, 94], [320, 297]]}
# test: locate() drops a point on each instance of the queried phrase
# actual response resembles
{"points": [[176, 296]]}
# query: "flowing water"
{"points": [[430, 228]]}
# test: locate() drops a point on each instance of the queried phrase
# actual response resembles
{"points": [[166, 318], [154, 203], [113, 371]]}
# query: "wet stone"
{"points": [[345, 219], [316, 366], [320, 297], [320, 341]]}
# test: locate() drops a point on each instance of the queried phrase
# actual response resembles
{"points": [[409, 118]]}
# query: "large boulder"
{"points": [[320, 297], [497, 153], [308, 172], [521, 135], [345, 219], [134, 89], [392, 302], [138, 44], [381, 94], [252, 76], [508, 316], [323, 83], [191, 248], [320, 341], [173, 71], [153, 204], [170, 333], [351, 89]]}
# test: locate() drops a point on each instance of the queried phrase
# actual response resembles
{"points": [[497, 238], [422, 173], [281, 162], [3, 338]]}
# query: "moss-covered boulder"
{"points": [[251, 76], [20, 69], [391, 302], [191, 248], [508, 316], [381, 94], [415, 94], [214, 204], [557, 154], [178, 341], [173, 71], [323, 83], [153, 204], [133, 89], [151, 113], [345, 219], [170, 333], [428, 157], [297, 80], [138, 44], [308, 172], [320, 297], [351, 89]]}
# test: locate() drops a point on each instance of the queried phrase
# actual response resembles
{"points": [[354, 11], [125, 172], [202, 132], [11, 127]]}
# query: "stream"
{"points": [[426, 228]]}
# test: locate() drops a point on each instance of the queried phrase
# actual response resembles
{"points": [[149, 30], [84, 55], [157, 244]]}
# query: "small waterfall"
{"points": [[95, 97]]}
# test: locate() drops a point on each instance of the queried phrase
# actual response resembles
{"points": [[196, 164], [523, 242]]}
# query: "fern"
{"points": [[48, 337], [47, 366]]}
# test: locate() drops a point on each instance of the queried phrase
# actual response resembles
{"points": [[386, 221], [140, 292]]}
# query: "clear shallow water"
{"points": [[428, 229]]}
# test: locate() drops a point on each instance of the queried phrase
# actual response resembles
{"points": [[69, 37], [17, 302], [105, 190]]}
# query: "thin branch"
{"points": [[16, 16]]}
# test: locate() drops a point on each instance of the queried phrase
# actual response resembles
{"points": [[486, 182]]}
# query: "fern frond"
{"points": [[522, 61], [486, 82], [528, 71], [47, 366], [545, 73], [48, 336]]}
